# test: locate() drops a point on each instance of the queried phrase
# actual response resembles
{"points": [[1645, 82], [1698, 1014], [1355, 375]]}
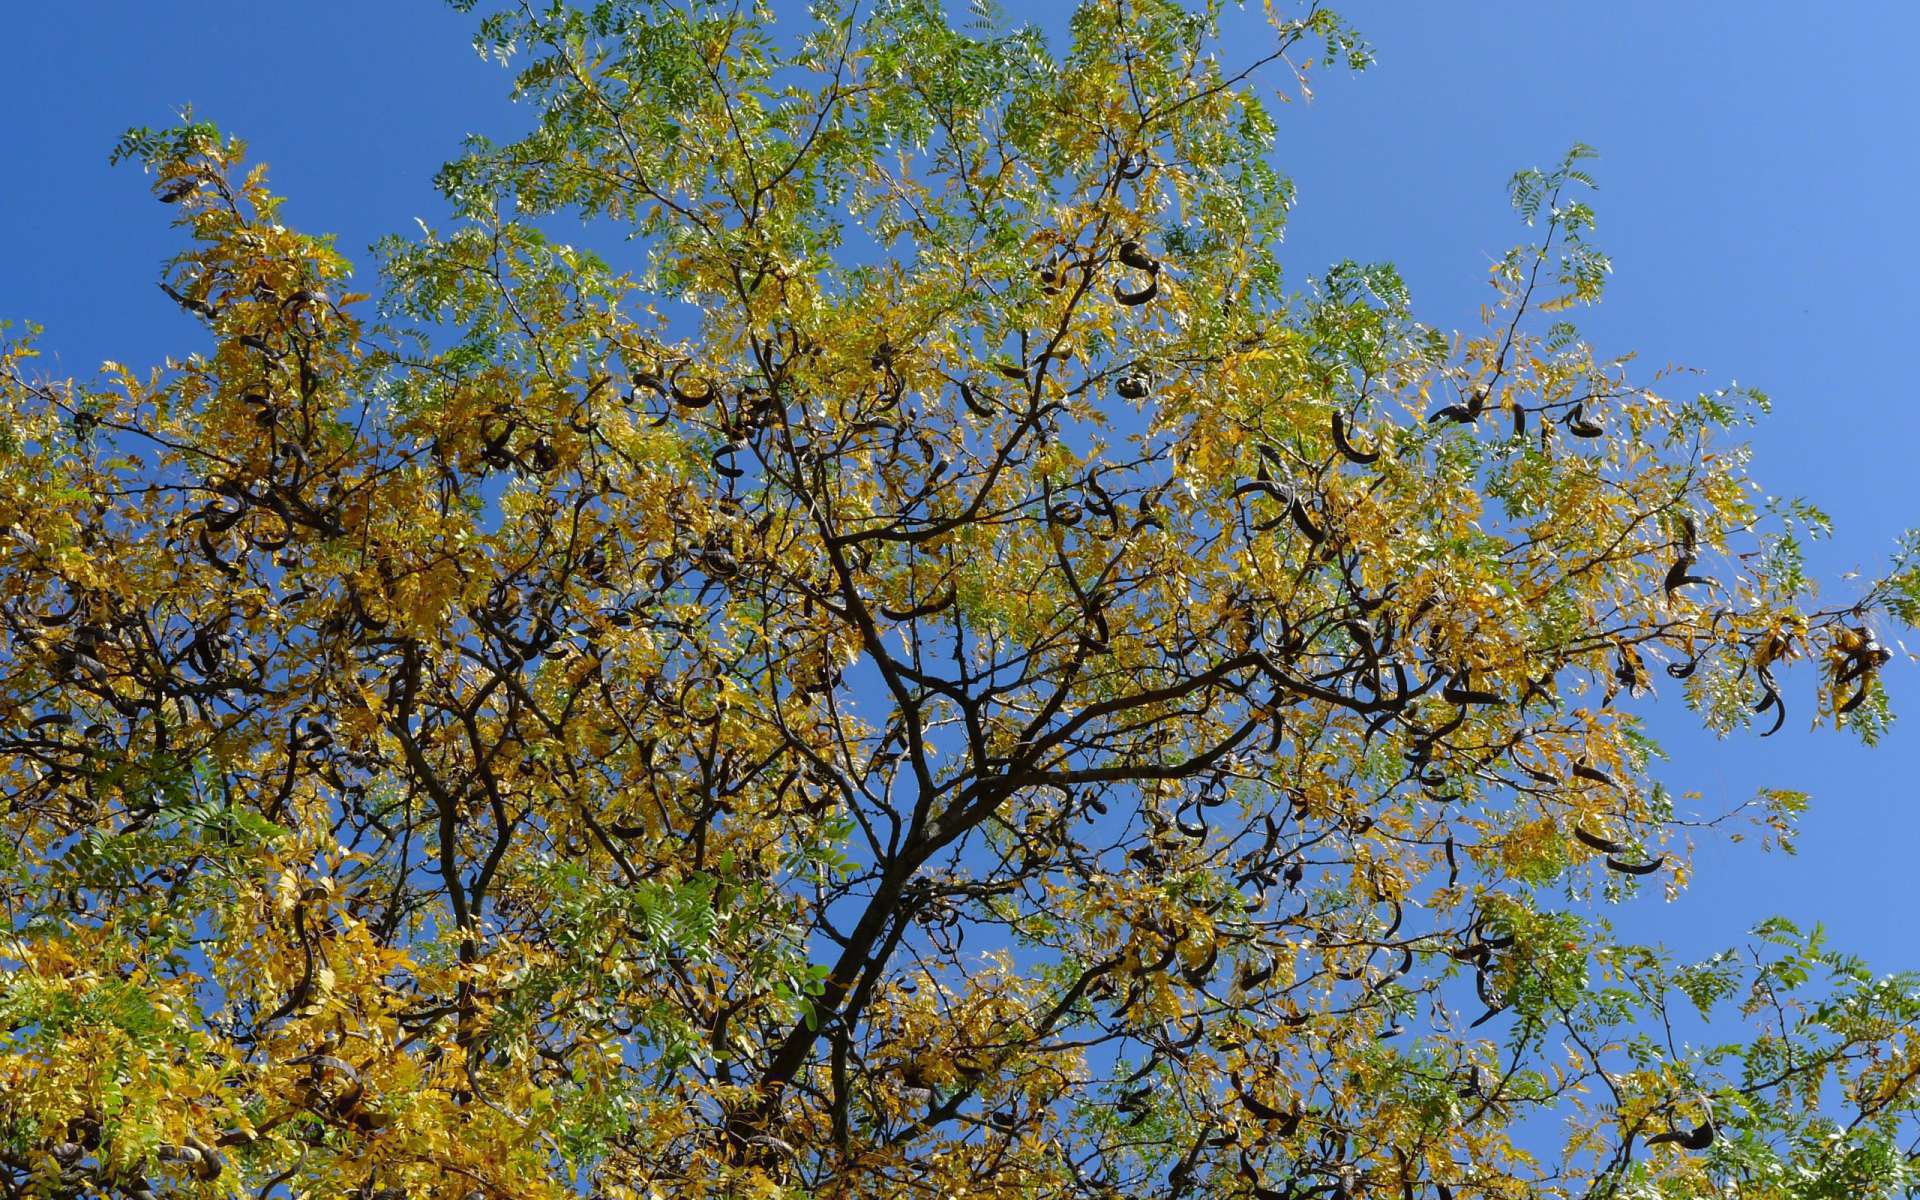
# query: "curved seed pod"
{"points": [[495, 454], [1261, 1109], [821, 685], [1861, 657], [541, 456], [1010, 370], [701, 395], [1133, 299], [1393, 927], [1200, 972], [1101, 503], [212, 555], [1362, 634], [1582, 426], [1132, 387], [719, 562], [1099, 638], [1303, 520], [721, 461], [1459, 691], [1770, 698], [975, 405], [224, 513], [204, 653], [1633, 868], [1193, 1037], [648, 378], [1133, 254], [1603, 845], [1678, 577], [1278, 491], [1698, 1138], [1053, 276], [1629, 670], [1132, 166], [324, 1064], [1493, 1010], [200, 1158], [1346, 447], [260, 400], [1252, 977], [940, 602], [1405, 965], [1259, 1190], [53, 620], [270, 542], [1583, 771], [198, 308], [1166, 957], [1464, 414], [1067, 512], [1148, 507]]}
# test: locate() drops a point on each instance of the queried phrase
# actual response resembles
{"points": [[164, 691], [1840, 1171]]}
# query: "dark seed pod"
{"points": [[1053, 276], [1464, 414], [1770, 699], [723, 461], [1678, 577], [1346, 447], [1633, 868], [1303, 520], [1583, 771], [1697, 1138], [1459, 690], [1603, 845], [1131, 253], [1582, 426], [699, 395], [975, 405], [1133, 299], [942, 601]]}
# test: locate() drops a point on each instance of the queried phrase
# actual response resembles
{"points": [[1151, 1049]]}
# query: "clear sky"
{"points": [[1759, 168]]}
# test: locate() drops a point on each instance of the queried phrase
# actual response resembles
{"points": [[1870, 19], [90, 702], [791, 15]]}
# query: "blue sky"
{"points": [[1758, 170]]}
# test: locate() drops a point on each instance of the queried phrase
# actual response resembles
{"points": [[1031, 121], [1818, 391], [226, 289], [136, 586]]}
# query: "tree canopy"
{"points": [[920, 664]]}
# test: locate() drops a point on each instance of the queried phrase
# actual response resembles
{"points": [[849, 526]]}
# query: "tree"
{"points": [[946, 675]]}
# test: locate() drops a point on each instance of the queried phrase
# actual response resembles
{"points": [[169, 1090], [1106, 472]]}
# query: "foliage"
{"points": [[924, 666]]}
